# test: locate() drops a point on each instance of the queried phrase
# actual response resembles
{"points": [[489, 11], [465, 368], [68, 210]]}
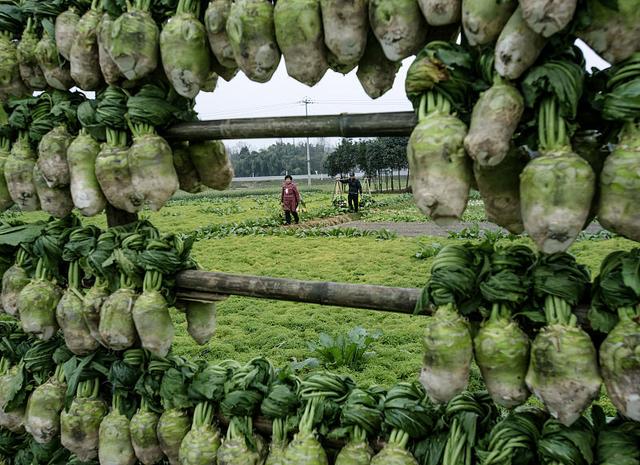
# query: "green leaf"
{"points": [[561, 79], [174, 390]]}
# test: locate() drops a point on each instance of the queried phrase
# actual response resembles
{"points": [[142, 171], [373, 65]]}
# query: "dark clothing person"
{"points": [[355, 188], [354, 185], [290, 198]]}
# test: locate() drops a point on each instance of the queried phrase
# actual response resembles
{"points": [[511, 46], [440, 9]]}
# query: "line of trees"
{"points": [[380, 159], [279, 159]]}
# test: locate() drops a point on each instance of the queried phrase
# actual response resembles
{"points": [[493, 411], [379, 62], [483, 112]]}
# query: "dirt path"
{"points": [[409, 229]]}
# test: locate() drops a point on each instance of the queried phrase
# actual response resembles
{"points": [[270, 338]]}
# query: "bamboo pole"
{"points": [[198, 285], [210, 286], [343, 125]]}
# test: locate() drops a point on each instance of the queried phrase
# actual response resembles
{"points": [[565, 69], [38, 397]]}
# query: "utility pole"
{"points": [[307, 102]]}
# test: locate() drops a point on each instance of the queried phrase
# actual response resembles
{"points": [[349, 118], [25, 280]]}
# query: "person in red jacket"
{"points": [[290, 199]]}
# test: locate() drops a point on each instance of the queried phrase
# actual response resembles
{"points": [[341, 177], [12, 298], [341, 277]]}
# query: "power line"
{"points": [[306, 103]]}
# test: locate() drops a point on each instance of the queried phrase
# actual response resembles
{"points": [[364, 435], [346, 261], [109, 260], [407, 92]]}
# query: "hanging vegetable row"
{"points": [[107, 289], [515, 312], [133, 406], [60, 151]]}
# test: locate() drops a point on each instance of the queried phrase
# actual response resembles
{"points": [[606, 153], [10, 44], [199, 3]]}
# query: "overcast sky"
{"points": [[282, 96]]}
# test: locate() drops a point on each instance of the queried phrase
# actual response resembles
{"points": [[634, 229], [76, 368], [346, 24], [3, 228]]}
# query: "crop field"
{"points": [[240, 231]]}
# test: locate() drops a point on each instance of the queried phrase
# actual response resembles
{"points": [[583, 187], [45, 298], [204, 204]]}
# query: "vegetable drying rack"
{"points": [[214, 286], [211, 287]]}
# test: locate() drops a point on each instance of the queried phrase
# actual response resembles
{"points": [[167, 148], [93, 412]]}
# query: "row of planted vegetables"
{"points": [[519, 314]]}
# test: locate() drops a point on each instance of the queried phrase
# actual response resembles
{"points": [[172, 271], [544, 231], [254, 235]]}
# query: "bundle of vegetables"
{"points": [[70, 311], [441, 13], [13, 281], [174, 423], [611, 29], [142, 426], [471, 417], [482, 20], [557, 187], [117, 327], [112, 162], [80, 423], [30, 71], [376, 72], [114, 437], [215, 22], [563, 371], [407, 415], [11, 417], [184, 50], [439, 168], [548, 18], [281, 406], [201, 444], [518, 47], [18, 168], [618, 209], [53, 64], [109, 69], [51, 174], [162, 256], [17, 276], [499, 187], [188, 177], [133, 45], [252, 35], [81, 158], [11, 84], [6, 136], [212, 164], [83, 55], [399, 26], [38, 300], [322, 394], [25, 365], [615, 309], [243, 395], [65, 31], [153, 176], [562, 444], [451, 290], [299, 34], [513, 439], [496, 116], [92, 265], [42, 416], [345, 25], [501, 347], [362, 415]]}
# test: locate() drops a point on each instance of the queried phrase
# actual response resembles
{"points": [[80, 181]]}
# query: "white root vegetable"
{"points": [[547, 17], [346, 25], [518, 47], [441, 12]]}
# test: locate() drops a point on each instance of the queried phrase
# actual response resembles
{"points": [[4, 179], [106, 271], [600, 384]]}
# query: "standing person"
{"points": [[290, 198], [355, 188]]}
